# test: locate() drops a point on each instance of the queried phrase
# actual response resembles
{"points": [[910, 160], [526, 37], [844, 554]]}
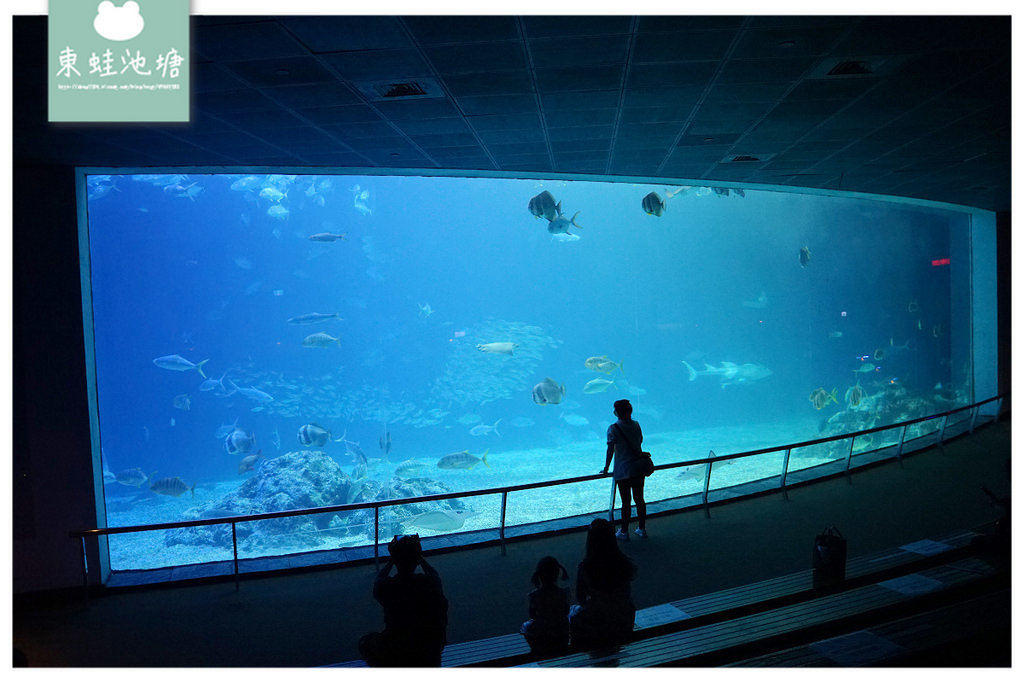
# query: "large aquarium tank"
{"points": [[274, 341]]}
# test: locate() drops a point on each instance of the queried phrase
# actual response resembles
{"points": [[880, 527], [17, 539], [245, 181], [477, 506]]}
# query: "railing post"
{"points": [[504, 505], [849, 455], [234, 551], [85, 570], [611, 503], [376, 536], [707, 485], [999, 407], [785, 469], [974, 416], [942, 429], [899, 448]]}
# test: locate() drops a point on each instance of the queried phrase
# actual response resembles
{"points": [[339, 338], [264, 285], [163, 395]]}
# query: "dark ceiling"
{"points": [[910, 106]]}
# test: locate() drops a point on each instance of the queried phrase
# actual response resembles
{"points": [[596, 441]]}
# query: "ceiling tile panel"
{"points": [[583, 117], [682, 46], [434, 126], [573, 52], [579, 78], [562, 26], [498, 104], [593, 99], [667, 76], [493, 83], [654, 24], [353, 32], [246, 40], [760, 70], [504, 121], [223, 102], [462, 29], [476, 57], [412, 109], [309, 96], [787, 42], [349, 114], [686, 96], [376, 65], [281, 71]]}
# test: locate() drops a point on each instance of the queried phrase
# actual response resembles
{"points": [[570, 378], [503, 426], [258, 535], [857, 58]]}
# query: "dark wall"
{"points": [[52, 463]]}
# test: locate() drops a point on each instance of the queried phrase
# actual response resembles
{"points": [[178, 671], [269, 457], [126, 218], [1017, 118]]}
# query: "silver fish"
{"points": [[313, 318], [483, 430], [176, 362]]}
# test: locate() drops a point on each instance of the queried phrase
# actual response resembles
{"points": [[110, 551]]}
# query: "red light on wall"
{"points": [[940, 262]]}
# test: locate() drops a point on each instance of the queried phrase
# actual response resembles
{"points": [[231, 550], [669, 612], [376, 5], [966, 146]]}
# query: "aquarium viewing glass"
{"points": [[270, 341]]}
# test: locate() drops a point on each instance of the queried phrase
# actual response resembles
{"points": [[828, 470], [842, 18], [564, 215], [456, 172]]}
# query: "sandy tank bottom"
{"points": [[146, 550]]}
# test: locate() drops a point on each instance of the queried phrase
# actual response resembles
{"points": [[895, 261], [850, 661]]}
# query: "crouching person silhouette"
{"points": [[415, 610]]}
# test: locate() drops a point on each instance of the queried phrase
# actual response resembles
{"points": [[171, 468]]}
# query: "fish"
{"points": [[243, 263], [548, 392], [596, 386], [543, 206], [854, 395], [440, 520], [576, 420], [731, 372], [327, 236], [498, 347], [249, 182], [224, 430], [272, 193], [248, 463], [805, 256], [561, 224], [408, 468], [483, 430], [214, 384], [320, 340], [182, 402], [425, 310], [133, 477], [866, 367], [277, 212], [172, 486], [760, 302], [913, 306], [462, 461], [653, 204], [821, 398], [360, 197], [385, 442], [835, 334], [176, 362], [602, 364], [254, 394], [276, 440], [312, 434], [469, 419], [313, 318], [239, 442]]}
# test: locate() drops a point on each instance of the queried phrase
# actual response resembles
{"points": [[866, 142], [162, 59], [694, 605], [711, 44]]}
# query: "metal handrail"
{"points": [[505, 490]]}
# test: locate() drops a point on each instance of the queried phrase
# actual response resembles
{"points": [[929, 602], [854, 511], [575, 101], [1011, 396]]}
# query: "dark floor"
{"points": [[315, 617]]}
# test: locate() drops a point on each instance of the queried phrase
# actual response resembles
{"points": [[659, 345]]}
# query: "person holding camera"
{"points": [[415, 610]]}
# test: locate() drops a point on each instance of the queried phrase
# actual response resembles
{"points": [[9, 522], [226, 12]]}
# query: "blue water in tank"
{"points": [[731, 318]]}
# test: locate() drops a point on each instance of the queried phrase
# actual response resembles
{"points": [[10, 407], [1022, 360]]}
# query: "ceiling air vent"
{"points": [[851, 68], [857, 66], [400, 89], [746, 158]]}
